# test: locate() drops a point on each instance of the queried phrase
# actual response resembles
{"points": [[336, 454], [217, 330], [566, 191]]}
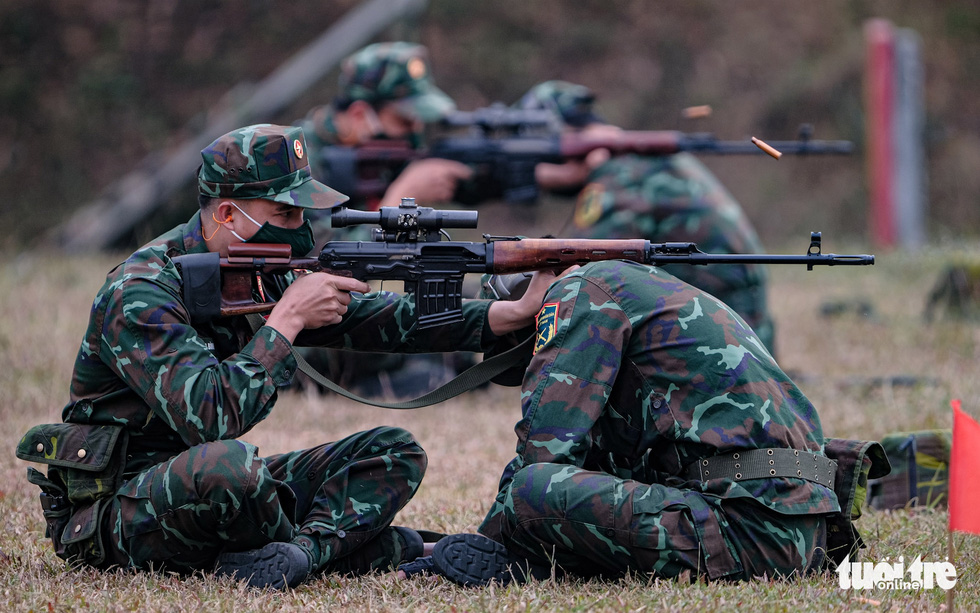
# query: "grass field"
{"points": [[837, 360]]}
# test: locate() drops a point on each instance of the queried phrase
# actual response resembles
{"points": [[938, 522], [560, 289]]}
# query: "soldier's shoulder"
{"points": [[148, 267], [621, 277]]}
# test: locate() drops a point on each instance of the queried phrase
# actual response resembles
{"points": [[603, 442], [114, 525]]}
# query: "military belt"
{"points": [[766, 464]]}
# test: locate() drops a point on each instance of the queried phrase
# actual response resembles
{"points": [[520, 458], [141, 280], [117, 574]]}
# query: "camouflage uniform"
{"points": [[637, 376], [147, 455], [671, 198]]}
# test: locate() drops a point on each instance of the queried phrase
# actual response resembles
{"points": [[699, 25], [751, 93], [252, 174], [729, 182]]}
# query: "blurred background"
{"points": [[90, 90]]}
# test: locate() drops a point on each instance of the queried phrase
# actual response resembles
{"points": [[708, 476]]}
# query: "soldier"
{"points": [[658, 436], [386, 91], [146, 469], [659, 198]]}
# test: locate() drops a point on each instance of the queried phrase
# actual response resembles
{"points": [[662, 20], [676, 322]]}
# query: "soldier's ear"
{"points": [[222, 213]]}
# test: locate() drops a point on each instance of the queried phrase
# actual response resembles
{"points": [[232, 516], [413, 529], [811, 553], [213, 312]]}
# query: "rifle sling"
{"points": [[469, 379]]}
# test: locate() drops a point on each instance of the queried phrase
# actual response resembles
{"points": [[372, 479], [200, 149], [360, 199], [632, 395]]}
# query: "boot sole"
{"points": [[473, 560], [277, 565]]}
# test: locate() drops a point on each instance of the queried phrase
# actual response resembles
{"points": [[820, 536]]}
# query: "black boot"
{"points": [[277, 565], [393, 546], [474, 560]]}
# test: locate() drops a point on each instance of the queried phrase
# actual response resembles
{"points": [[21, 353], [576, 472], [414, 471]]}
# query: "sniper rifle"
{"points": [[408, 247], [503, 150]]}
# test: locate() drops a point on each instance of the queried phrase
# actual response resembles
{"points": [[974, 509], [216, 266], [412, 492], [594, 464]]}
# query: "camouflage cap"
{"points": [[394, 72], [264, 161], [570, 102]]}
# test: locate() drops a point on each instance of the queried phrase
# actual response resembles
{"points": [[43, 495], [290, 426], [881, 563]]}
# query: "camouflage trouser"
{"points": [[330, 499], [593, 523]]}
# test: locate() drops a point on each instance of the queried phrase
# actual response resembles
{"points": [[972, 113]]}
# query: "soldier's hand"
{"points": [[575, 173], [541, 280], [428, 180], [312, 301], [508, 316], [558, 177]]}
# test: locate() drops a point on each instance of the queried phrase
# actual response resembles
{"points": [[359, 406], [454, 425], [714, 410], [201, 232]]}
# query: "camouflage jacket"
{"points": [[174, 385], [638, 374], [666, 199]]}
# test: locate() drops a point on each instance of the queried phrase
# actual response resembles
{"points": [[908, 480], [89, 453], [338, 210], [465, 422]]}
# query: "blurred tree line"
{"points": [[89, 88]]}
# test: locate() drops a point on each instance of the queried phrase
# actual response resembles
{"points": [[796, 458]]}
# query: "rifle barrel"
{"points": [[667, 142], [791, 147], [535, 254], [823, 259]]}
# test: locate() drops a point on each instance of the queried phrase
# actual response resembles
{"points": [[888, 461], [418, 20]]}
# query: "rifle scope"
{"points": [[498, 117], [405, 218]]}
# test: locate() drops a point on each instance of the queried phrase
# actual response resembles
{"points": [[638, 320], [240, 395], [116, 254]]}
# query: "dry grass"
{"points": [[470, 439]]}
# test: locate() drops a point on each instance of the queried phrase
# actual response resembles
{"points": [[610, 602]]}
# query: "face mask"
{"points": [[414, 139], [300, 240]]}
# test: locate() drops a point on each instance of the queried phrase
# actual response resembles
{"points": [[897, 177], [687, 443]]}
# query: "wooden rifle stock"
{"points": [[529, 254], [241, 279]]}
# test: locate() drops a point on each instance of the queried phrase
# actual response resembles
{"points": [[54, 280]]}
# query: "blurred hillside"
{"points": [[88, 89]]}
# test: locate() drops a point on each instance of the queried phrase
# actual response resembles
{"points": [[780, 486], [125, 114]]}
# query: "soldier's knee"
{"points": [[227, 471], [525, 477], [397, 443], [390, 436], [534, 484], [535, 475], [409, 452]]}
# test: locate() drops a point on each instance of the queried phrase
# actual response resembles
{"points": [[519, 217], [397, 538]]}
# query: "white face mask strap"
{"points": [[247, 216]]}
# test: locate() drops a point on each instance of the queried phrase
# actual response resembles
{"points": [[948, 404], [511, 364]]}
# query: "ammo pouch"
{"points": [[85, 466], [857, 461], [920, 471]]}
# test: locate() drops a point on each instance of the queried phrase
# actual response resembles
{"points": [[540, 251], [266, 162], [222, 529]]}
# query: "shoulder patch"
{"points": [[588, 207], [547, 325]]}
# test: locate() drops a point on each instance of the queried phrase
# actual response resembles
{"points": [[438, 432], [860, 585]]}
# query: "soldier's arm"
{"points": [[581, 333], [386, 322], [561, 404], [148, 342]]}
